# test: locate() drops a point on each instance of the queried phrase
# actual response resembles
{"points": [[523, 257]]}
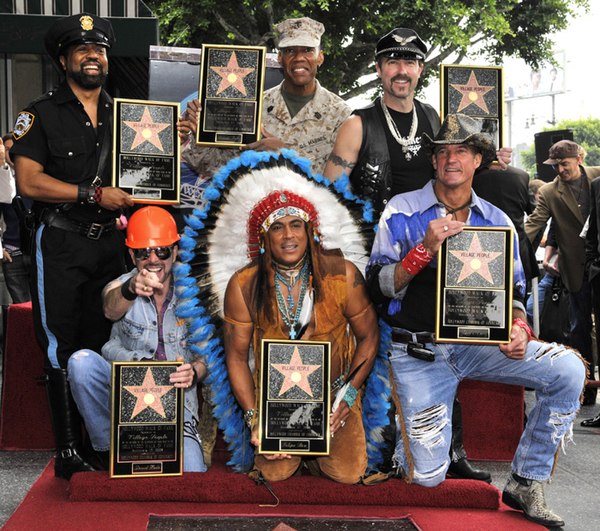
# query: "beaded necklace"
{"points": [[290, 312]]}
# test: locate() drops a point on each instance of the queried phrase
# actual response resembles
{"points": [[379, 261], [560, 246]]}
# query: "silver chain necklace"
{"points": [[410, 145]]}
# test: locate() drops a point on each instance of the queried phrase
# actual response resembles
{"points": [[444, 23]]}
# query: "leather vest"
{"points": [[372, 175]]}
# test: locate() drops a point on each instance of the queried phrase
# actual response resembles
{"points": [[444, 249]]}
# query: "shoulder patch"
{"points": [[23, 124]]}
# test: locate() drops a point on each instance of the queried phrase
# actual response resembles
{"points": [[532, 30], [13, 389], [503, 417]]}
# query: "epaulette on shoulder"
{"points": [[43, 97]]}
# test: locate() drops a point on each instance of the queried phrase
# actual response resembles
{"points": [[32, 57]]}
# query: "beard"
{"points": [[86, 81]]}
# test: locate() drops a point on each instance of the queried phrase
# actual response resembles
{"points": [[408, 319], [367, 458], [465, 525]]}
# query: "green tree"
{"points": [[452, 28], [586, 133]]}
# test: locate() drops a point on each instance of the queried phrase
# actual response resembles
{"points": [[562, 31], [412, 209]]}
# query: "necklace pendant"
{"points": [[292, 333]]}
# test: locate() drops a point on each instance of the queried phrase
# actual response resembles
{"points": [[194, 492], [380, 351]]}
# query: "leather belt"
{"points": [[406, 337], [91, 230]]}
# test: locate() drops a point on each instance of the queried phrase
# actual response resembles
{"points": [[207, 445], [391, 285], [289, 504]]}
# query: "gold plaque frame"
{"points": [[146, 150], [475, 286], [232, 80], [146, 420], [295, 398], [477, 91]]}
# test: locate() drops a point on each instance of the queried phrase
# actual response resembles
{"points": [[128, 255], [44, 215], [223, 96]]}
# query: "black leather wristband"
{"points": [[126, 292], [82, 193], [87, 194]]}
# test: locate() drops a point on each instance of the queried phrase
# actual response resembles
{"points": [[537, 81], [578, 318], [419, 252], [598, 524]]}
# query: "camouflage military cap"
{"points": [[299, 32]]}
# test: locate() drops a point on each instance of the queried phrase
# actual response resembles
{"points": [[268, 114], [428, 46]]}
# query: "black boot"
{"points": [[591, 423], [459, 464], [589, 396], [66, 424]]}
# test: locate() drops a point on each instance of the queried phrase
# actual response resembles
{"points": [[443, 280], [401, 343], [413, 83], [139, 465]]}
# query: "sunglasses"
{"points": [[162, 253]]}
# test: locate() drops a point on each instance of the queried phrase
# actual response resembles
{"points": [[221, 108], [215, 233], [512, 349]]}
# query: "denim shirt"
{"points": [[134, 337]]}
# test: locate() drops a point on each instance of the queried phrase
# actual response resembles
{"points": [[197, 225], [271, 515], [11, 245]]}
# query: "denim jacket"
{"points": [[134, 337]]}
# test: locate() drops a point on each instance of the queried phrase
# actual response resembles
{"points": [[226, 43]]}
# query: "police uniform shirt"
{"points": [[56, 132]]}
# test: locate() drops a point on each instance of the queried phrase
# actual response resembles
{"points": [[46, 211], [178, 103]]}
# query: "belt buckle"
{"points": [[95, 231]]}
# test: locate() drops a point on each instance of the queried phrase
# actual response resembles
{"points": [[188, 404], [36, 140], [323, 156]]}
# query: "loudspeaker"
{"points": [[543, 142]]}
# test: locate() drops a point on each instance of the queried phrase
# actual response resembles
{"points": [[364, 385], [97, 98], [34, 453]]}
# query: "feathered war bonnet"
{"points": [[224, 236]]}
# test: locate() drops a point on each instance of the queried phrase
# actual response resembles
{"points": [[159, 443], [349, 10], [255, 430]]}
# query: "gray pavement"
{"points": [[573, 493]]}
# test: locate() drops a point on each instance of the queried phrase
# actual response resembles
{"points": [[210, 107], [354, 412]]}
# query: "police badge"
{"points": [[87, 23], [23, 124]]}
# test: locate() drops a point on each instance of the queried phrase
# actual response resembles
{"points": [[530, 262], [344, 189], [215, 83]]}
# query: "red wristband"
{"points": [[525, 326], [98, 195], [416, 260]]}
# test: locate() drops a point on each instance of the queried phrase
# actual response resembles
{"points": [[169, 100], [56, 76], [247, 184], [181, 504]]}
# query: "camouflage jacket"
{"points": [[313, 130]]}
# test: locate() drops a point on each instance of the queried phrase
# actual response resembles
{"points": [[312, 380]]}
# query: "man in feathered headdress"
{"points": [[296, 289], [289, 280]]}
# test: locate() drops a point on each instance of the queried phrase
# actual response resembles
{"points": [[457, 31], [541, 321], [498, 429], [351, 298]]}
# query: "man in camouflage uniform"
{"points": [[298, 113]]}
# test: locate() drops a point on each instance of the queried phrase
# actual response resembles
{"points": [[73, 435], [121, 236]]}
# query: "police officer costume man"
{"points": [[62, 159]]}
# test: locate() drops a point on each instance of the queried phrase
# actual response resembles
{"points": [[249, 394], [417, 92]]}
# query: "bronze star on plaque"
{"points": [[472, 93], [295, 373], [232, 75], [148, 395]]}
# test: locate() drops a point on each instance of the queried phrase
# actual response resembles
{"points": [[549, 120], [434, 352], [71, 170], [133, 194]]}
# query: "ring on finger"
{"points": [[445, 228], [342, 423]]}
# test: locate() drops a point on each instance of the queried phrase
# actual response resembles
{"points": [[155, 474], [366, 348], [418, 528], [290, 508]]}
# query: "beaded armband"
{"points": [[350, 396]]}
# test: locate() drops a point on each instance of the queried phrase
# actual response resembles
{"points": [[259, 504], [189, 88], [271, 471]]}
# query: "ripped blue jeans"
{"points": [[427, 390]]}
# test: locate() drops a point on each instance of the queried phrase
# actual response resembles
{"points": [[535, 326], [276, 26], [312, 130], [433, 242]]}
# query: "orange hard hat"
{"points": [[151, 226]]}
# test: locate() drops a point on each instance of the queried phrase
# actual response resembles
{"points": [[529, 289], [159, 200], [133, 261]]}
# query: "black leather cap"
{"points": [[401, 42], [78, 29]]}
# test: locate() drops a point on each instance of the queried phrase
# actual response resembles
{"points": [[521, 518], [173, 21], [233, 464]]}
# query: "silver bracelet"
{"points": [[248, 417]]}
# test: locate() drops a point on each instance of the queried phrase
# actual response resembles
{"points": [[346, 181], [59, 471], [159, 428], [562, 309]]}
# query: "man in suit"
{"points": [[592, 267], [508, 189], [567, 200]]}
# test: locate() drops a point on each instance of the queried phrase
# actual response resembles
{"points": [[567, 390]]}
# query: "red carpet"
{"points": [[219, 484], [47, 506], [493, 416], [492, 413], [25, 418]]}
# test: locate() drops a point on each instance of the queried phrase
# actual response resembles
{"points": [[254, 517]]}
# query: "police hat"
{"points": [[401, 42], [77, 29]]}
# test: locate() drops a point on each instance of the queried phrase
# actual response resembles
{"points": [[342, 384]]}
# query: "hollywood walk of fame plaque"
{"points": [[146, 150], [294, 397], [475, 286], [230, 93], [476, 91], [147, 420]]}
